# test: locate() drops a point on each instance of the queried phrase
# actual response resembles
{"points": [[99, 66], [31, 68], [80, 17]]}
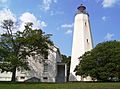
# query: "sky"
{"points": [[56, 17]]}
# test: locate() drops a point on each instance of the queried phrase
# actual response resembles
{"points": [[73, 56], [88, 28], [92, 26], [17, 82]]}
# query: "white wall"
{"points": [[37, 68], [82, 42]]}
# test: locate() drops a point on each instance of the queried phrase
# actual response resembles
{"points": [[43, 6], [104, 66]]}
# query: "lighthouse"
{"points": [[82, 41]]}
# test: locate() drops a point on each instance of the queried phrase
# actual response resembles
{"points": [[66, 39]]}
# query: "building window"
{"points": [[45, 78], [22, 77], [45, 67]]}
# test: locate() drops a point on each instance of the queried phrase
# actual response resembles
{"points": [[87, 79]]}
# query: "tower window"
{"points": [[85, 23], [87, 40]]}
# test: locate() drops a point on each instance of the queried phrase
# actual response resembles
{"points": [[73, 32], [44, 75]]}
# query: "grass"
{"points": [[60, 86]]}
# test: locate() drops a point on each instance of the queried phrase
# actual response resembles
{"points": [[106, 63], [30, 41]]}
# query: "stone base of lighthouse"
{"points": [[73, 77]]}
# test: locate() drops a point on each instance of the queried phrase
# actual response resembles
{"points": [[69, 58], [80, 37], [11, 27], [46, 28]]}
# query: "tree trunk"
{"points": [[13, 75]]}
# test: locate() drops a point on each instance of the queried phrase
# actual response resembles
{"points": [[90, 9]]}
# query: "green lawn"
{"points": [[61, 86]]}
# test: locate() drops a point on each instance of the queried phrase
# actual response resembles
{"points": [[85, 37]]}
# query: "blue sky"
{"points": [[57, 17]]}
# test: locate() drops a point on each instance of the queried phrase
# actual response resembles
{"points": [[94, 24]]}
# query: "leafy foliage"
{"points": [[15, 48], [101, 63]]}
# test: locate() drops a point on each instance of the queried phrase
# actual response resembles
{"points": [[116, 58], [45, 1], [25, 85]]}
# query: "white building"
{"points": [[50, 70], [82, 41]]}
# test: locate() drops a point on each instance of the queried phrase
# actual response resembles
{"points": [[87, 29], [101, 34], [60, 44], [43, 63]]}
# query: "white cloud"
{"points": [[67, 25], [56, 13], [69, 31], [98, 1], [109, 3], [43, 24], [52, 13], [46, 4], [6, 14], [28, 17], [109, 36], [3, 1], [104, 18]]}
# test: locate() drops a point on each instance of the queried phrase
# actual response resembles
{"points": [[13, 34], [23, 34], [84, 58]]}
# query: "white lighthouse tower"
{"points": [[82, 41]]}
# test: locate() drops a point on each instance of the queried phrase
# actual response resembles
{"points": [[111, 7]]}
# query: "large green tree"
{"points": [[101, 63], [16, 47]]}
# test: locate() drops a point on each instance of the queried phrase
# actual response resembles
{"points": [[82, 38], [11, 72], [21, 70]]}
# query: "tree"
{"points": [[101, 63], [15, 48], [67, 59]]}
